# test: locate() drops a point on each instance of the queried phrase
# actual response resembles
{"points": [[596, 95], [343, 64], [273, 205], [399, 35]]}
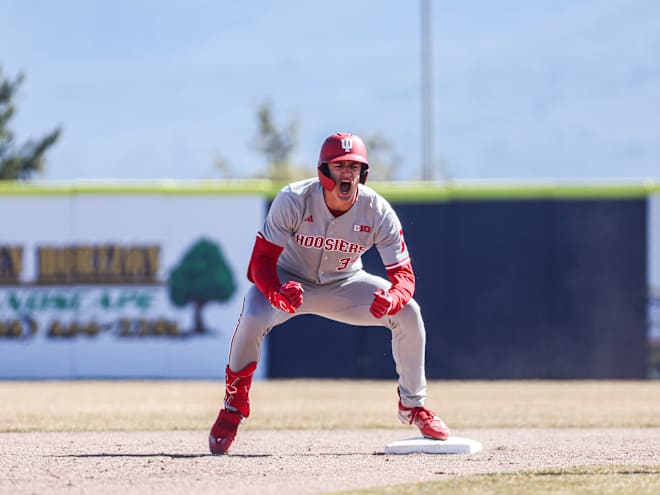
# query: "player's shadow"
{"points": [[159, 454], [193, 456]]}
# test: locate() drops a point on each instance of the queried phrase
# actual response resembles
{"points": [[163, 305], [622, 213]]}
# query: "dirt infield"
{"points": [[306, 436], [291, 461]]}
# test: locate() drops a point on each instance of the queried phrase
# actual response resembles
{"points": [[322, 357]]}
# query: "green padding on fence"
{"points": [[465, 190], [410, 192], [147, 187]]}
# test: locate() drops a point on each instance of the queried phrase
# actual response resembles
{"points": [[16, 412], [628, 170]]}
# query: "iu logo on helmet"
{"points": [[347, 144]]}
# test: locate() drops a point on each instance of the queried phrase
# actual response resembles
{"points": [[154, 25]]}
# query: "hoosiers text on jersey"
{"points": [[328, 244]]}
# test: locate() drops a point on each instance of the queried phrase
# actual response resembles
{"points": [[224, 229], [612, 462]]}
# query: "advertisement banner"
{"points": [[122, 285]]}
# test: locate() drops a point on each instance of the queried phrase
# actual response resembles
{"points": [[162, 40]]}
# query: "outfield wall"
{"points": [[515, 281], [121, 283], [508, 289]]}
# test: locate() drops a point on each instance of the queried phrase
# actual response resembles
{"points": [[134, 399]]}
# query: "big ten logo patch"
{"points": [[361, 228]]}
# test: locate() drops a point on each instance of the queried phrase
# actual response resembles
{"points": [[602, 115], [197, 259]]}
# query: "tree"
{"points": [[222, 166], [201, 277], [276, 144], [383, 159], [19, 162]]}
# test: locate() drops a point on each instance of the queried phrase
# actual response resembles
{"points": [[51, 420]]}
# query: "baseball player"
{"points": [[307, 260]]}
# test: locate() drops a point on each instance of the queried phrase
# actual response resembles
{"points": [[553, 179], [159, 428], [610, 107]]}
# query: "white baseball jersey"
{"points": [[322, 248]]}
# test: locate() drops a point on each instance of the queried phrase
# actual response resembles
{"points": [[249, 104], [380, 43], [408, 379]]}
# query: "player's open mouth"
{"points": [[345, 187]]}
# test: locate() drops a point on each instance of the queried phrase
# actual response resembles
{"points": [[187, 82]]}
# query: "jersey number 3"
{"points": [[343, 263]]}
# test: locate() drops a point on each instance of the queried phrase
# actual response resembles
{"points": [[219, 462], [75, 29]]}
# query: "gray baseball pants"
{"points": [[347, 301]]}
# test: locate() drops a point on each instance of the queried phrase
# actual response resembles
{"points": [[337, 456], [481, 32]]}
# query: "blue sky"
{"points": [[565, 89]]}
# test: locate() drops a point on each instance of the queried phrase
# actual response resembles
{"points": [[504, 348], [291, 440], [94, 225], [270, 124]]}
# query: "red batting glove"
{"points": [[288, 297], [382, 303]]}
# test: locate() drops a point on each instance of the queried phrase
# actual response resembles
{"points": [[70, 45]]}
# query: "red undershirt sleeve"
{"points": [[262, 269], [403, 286]]}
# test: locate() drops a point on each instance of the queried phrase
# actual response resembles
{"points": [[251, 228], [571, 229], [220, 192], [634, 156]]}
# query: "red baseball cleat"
{"points": [[428, 422], [223, 431]]}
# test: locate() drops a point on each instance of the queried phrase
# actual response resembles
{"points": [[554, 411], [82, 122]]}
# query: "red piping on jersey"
{"points": [[404, 261], [240, 317], [403, 284], [262, 269]]}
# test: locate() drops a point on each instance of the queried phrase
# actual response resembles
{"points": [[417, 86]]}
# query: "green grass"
{"points": [[588, 480]]}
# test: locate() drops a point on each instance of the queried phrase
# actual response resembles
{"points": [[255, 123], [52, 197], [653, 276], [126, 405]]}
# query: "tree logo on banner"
{"points": [[202, 276]]}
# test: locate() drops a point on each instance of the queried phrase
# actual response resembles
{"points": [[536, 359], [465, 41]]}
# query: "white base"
{"points": [[453, 445]]}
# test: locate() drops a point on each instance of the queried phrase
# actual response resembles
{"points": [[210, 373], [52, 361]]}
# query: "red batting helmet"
{"points": [[339, 147]]}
